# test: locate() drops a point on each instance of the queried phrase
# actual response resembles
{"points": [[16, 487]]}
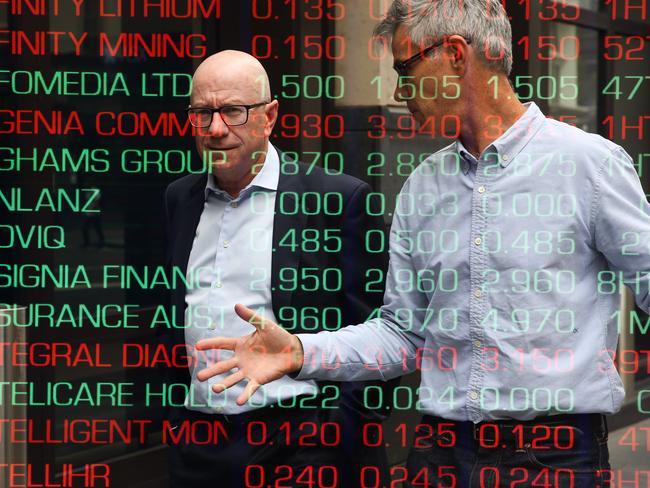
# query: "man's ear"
{"points": [[457, 47], [271, 112]]}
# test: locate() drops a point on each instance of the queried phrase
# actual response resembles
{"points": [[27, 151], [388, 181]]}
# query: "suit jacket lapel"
{"points": [[289, 191], [189, 215]]}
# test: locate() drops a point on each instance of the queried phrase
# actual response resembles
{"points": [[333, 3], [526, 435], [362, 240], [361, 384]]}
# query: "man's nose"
{"points": [[218, 128]]}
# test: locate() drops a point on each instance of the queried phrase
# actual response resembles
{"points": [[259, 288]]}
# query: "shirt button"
{"points": [[473, 395], [213, 325], [218, 284], [477, 343], [218, 409], [505, 157], [226, 243], [478, 293], [233, 204], [481, 189], [478, 241]]}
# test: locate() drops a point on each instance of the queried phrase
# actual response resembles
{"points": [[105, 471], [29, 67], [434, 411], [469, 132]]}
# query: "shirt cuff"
{"points": [[312, 354]]}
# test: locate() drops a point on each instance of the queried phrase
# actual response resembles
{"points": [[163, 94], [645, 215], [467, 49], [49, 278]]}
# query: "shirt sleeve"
{"points": [[381, 348], [621, 216]]}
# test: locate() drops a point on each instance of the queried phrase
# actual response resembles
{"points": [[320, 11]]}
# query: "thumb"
{"points": [[251, 317]]}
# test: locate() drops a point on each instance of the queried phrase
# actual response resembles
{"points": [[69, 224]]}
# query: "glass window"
{"points": [[572, 87], [585, 4]]}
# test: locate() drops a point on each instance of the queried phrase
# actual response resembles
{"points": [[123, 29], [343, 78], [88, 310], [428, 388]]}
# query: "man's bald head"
{"points": [[237, 81], [233, 69]]}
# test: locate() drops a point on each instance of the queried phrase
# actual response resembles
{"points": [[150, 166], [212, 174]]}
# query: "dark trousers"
{"points": [[555, 452], [267, 448]]}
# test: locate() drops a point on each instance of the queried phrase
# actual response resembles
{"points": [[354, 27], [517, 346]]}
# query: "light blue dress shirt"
{"points": [[503, 279], [230, 263]]}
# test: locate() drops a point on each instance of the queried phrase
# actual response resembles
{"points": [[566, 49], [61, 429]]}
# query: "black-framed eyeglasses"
{"points": [[232, 115], [402, 66]]}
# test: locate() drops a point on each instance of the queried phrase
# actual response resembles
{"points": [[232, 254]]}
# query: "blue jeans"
{"points": [[563, 451]]}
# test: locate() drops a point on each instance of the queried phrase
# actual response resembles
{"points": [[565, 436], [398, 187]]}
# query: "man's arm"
{"points": [[621, 216], [381, 348]]}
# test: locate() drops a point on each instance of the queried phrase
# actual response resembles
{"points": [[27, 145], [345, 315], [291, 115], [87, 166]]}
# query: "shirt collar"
{"points": [[465, 154], [267, 178], [513, 140]]}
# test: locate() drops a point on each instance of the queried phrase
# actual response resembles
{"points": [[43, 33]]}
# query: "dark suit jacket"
{"points": [[306, 199]]}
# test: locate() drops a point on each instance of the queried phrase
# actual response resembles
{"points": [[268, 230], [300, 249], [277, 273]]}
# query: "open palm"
{"points": [[261, 357]]}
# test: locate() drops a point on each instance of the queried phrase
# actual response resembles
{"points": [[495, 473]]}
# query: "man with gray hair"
{"points": [[507, 251]]}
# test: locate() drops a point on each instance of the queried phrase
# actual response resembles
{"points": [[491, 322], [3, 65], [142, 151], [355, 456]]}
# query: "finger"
{"points": [[251, 317], [218, 368], [228, 381], [227, 343], [248, 392]]}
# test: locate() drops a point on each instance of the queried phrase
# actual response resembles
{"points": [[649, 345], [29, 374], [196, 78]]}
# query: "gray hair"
{"points": [[485, 22]]}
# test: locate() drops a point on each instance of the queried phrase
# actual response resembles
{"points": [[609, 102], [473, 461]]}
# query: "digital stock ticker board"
{"points": [[466, 186]]}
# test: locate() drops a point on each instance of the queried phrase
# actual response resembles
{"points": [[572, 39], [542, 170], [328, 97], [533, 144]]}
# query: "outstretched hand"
{"points": [[261, 357]]}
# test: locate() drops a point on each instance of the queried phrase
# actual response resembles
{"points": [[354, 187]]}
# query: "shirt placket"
{"points": [[223, 256], [478, 300]]}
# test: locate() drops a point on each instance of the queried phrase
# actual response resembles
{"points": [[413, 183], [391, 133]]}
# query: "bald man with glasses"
{"points": [[249, 230]]}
